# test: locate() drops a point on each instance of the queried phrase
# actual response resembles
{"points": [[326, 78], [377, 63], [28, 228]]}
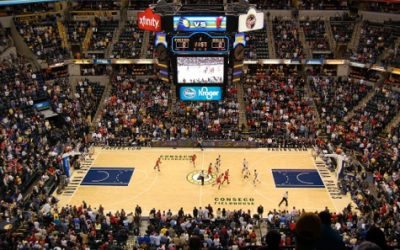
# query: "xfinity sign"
{"points": [[148, 20], [196, 93]]}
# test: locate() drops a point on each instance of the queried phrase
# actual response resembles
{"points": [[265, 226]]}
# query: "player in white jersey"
{"points": [[216, 166], [245, 166], [255, 179], [246, 173], [218, 161]]}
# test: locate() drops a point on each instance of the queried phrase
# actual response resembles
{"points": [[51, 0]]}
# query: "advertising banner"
{"points": [[200, 93], [148, 20]]}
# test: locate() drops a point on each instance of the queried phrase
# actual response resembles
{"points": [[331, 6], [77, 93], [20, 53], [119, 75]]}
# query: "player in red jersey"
{"points": [[219, 181], [193, 159], [157, 166], [226, 176]]}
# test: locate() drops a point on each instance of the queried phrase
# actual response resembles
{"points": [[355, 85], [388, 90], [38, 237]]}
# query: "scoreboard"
{"points": [[198, 42], [200, 59]]}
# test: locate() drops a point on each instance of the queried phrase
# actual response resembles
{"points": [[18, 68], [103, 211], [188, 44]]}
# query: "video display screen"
{"points": [[193, 70]]}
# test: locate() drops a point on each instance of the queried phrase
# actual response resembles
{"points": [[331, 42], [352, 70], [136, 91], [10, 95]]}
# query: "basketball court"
{"points": [[120, 178]]}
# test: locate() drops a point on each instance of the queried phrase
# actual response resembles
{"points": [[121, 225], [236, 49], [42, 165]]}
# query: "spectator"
{"points": [[329, 239]]}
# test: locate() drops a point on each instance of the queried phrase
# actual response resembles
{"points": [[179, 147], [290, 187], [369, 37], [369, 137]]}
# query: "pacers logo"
{"points": [[194, 178]]}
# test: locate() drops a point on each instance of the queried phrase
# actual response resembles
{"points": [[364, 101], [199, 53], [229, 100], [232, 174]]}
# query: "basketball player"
{"points": [[245, 166], [193, 159], [209, 171], [255, 180], [157, 166], [246, 173], [226, 177], [219, 181], [218, 162]]}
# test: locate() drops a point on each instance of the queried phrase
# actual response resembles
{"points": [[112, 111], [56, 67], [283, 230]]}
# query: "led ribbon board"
{"points": [[13, 2], [200, 23]]}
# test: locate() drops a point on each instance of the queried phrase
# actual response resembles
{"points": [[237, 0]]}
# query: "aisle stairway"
{"points": [[106, 94], [77, 177], [330, 181], [242, 106], [361, 104], [116, 35], [63, 34], [332, 42], [394, 123], [355, 39], [86, 41], [311, 94], [146, 36], [173, 98], [271, 39], [306, 45], [387, 51]]}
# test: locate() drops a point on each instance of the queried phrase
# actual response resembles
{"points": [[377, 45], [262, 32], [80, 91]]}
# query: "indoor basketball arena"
{"points": [[198, 124]]}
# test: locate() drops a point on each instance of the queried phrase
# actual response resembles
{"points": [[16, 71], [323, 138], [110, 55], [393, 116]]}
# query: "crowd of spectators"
{"points": [[5, 38], [323, 5], [31, 147], [139, 4], [130, 42], [23, 9], [96, 4], [208, 120], [89, 95], [373, 182], [276, 106], [315, 34], [272, 4], [393, 57], [342, 27], [287, 42], [43, 38], [385, 7], [103, 31], [77, 31], [257, 45], [336, 97], [150, 46], [374, 38], [135, 113], [360, 133]]}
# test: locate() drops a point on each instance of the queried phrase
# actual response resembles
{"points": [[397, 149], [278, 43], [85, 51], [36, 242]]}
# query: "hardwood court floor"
{"points": [[171, 188]]}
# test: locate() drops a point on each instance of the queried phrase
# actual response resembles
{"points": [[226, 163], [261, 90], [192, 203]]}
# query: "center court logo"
{"points": [[193, 177]]}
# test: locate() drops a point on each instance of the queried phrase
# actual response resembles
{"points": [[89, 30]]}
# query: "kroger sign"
{"points": [[194, 93]]}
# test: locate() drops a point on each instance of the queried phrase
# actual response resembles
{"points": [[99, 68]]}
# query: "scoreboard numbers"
{"points": [[200, 42]]}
